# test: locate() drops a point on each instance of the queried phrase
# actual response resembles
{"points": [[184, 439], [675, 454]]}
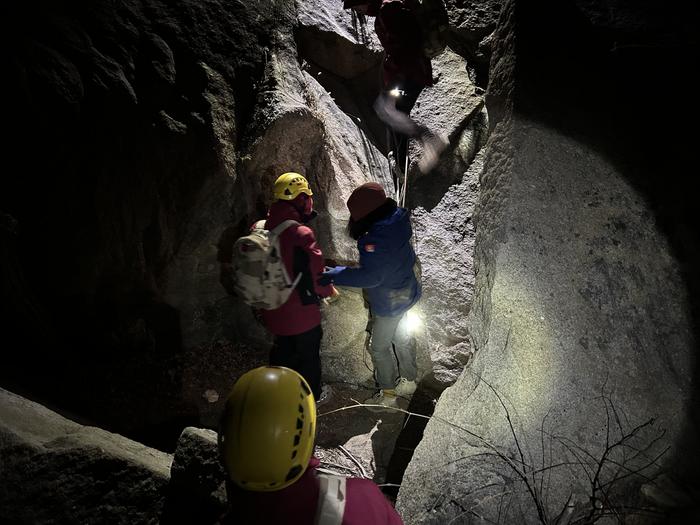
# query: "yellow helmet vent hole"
{"points": [[293, 472]]}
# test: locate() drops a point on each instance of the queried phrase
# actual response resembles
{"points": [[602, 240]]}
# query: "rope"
{"points": [[400, 190], [405, 178]]}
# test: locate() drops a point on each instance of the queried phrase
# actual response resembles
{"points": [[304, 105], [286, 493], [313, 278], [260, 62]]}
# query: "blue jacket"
{"points": [[386, 266]]}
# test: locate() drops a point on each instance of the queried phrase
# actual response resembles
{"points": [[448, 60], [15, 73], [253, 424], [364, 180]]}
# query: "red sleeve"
{"points": [[307, 240]]}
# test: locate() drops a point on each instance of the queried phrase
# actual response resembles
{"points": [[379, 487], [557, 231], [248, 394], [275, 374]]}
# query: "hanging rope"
{"points": [[400, 189]]}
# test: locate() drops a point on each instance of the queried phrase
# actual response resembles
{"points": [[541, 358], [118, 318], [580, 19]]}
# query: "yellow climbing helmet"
{"points": [[289, 185], [268, 429]]}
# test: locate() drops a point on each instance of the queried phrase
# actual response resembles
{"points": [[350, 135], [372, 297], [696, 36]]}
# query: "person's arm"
{"points": [[307, 241], [369, 274]]}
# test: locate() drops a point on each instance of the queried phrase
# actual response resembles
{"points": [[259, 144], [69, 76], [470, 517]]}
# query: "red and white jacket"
{"points": [[298, 504], [299, 248]]}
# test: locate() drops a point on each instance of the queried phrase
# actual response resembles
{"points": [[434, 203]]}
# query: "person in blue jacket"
{"points": [[383, 233]]}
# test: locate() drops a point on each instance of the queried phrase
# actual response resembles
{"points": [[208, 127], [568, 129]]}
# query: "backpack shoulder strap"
{"points": [[281, 227], [331, 500], [272, 236], [259, 225]]}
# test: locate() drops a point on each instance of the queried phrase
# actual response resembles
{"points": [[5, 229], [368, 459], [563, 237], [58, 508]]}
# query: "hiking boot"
{"points": [[326, 394], [404, 387], [382, 398]]}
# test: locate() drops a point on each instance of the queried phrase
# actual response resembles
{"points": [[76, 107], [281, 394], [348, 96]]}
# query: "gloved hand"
{"points": [[327, 277]]}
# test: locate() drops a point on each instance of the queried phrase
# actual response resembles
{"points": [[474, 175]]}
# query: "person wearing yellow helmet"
{"points": [[268, 429], [290, 185], [266, 440], [296, 324]]}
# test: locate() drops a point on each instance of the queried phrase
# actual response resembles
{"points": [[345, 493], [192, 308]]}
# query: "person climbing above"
{"points": [[296, 323], [266, 440], [387, 270], [406, 71]]}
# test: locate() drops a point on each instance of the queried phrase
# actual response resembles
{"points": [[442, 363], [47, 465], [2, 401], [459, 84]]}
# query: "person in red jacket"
{"points": [[266, 442], [296, 324], [405, 72]]}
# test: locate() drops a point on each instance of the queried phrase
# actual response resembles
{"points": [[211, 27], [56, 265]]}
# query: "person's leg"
{"points": [[405, 346], [385, 369], [308, 348], [283, 352]]}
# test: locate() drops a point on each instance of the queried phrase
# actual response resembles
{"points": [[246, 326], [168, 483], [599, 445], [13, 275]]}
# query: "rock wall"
{"points": [[471, 27], [126, 120], [56, 471], [445, 244], [578, 399]]}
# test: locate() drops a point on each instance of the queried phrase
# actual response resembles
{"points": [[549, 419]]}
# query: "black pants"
{"points": [[300, 353]]}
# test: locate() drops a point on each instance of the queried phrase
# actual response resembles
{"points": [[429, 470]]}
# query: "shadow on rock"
{"points": [[411, 433]]}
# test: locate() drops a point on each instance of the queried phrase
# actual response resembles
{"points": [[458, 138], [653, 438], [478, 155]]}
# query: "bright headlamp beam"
{"points": [[413, 321]]}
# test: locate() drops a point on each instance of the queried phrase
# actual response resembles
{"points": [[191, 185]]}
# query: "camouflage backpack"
{"points": [[259, 274]]}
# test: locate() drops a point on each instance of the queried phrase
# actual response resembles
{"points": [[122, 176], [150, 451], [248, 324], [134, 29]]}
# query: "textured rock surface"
{"points": [[450, 109], [345, 343], [471, 24], [336, 39], [56, 471], [445, 244], [552, 360], [581, 318], [197, 484], [131, 114]]}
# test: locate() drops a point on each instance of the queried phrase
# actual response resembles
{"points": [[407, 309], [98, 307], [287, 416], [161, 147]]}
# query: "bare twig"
{"points": [[565, 515], [472, 511], [336, 465], [544, 419], [354, 460], [530, 484]]}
